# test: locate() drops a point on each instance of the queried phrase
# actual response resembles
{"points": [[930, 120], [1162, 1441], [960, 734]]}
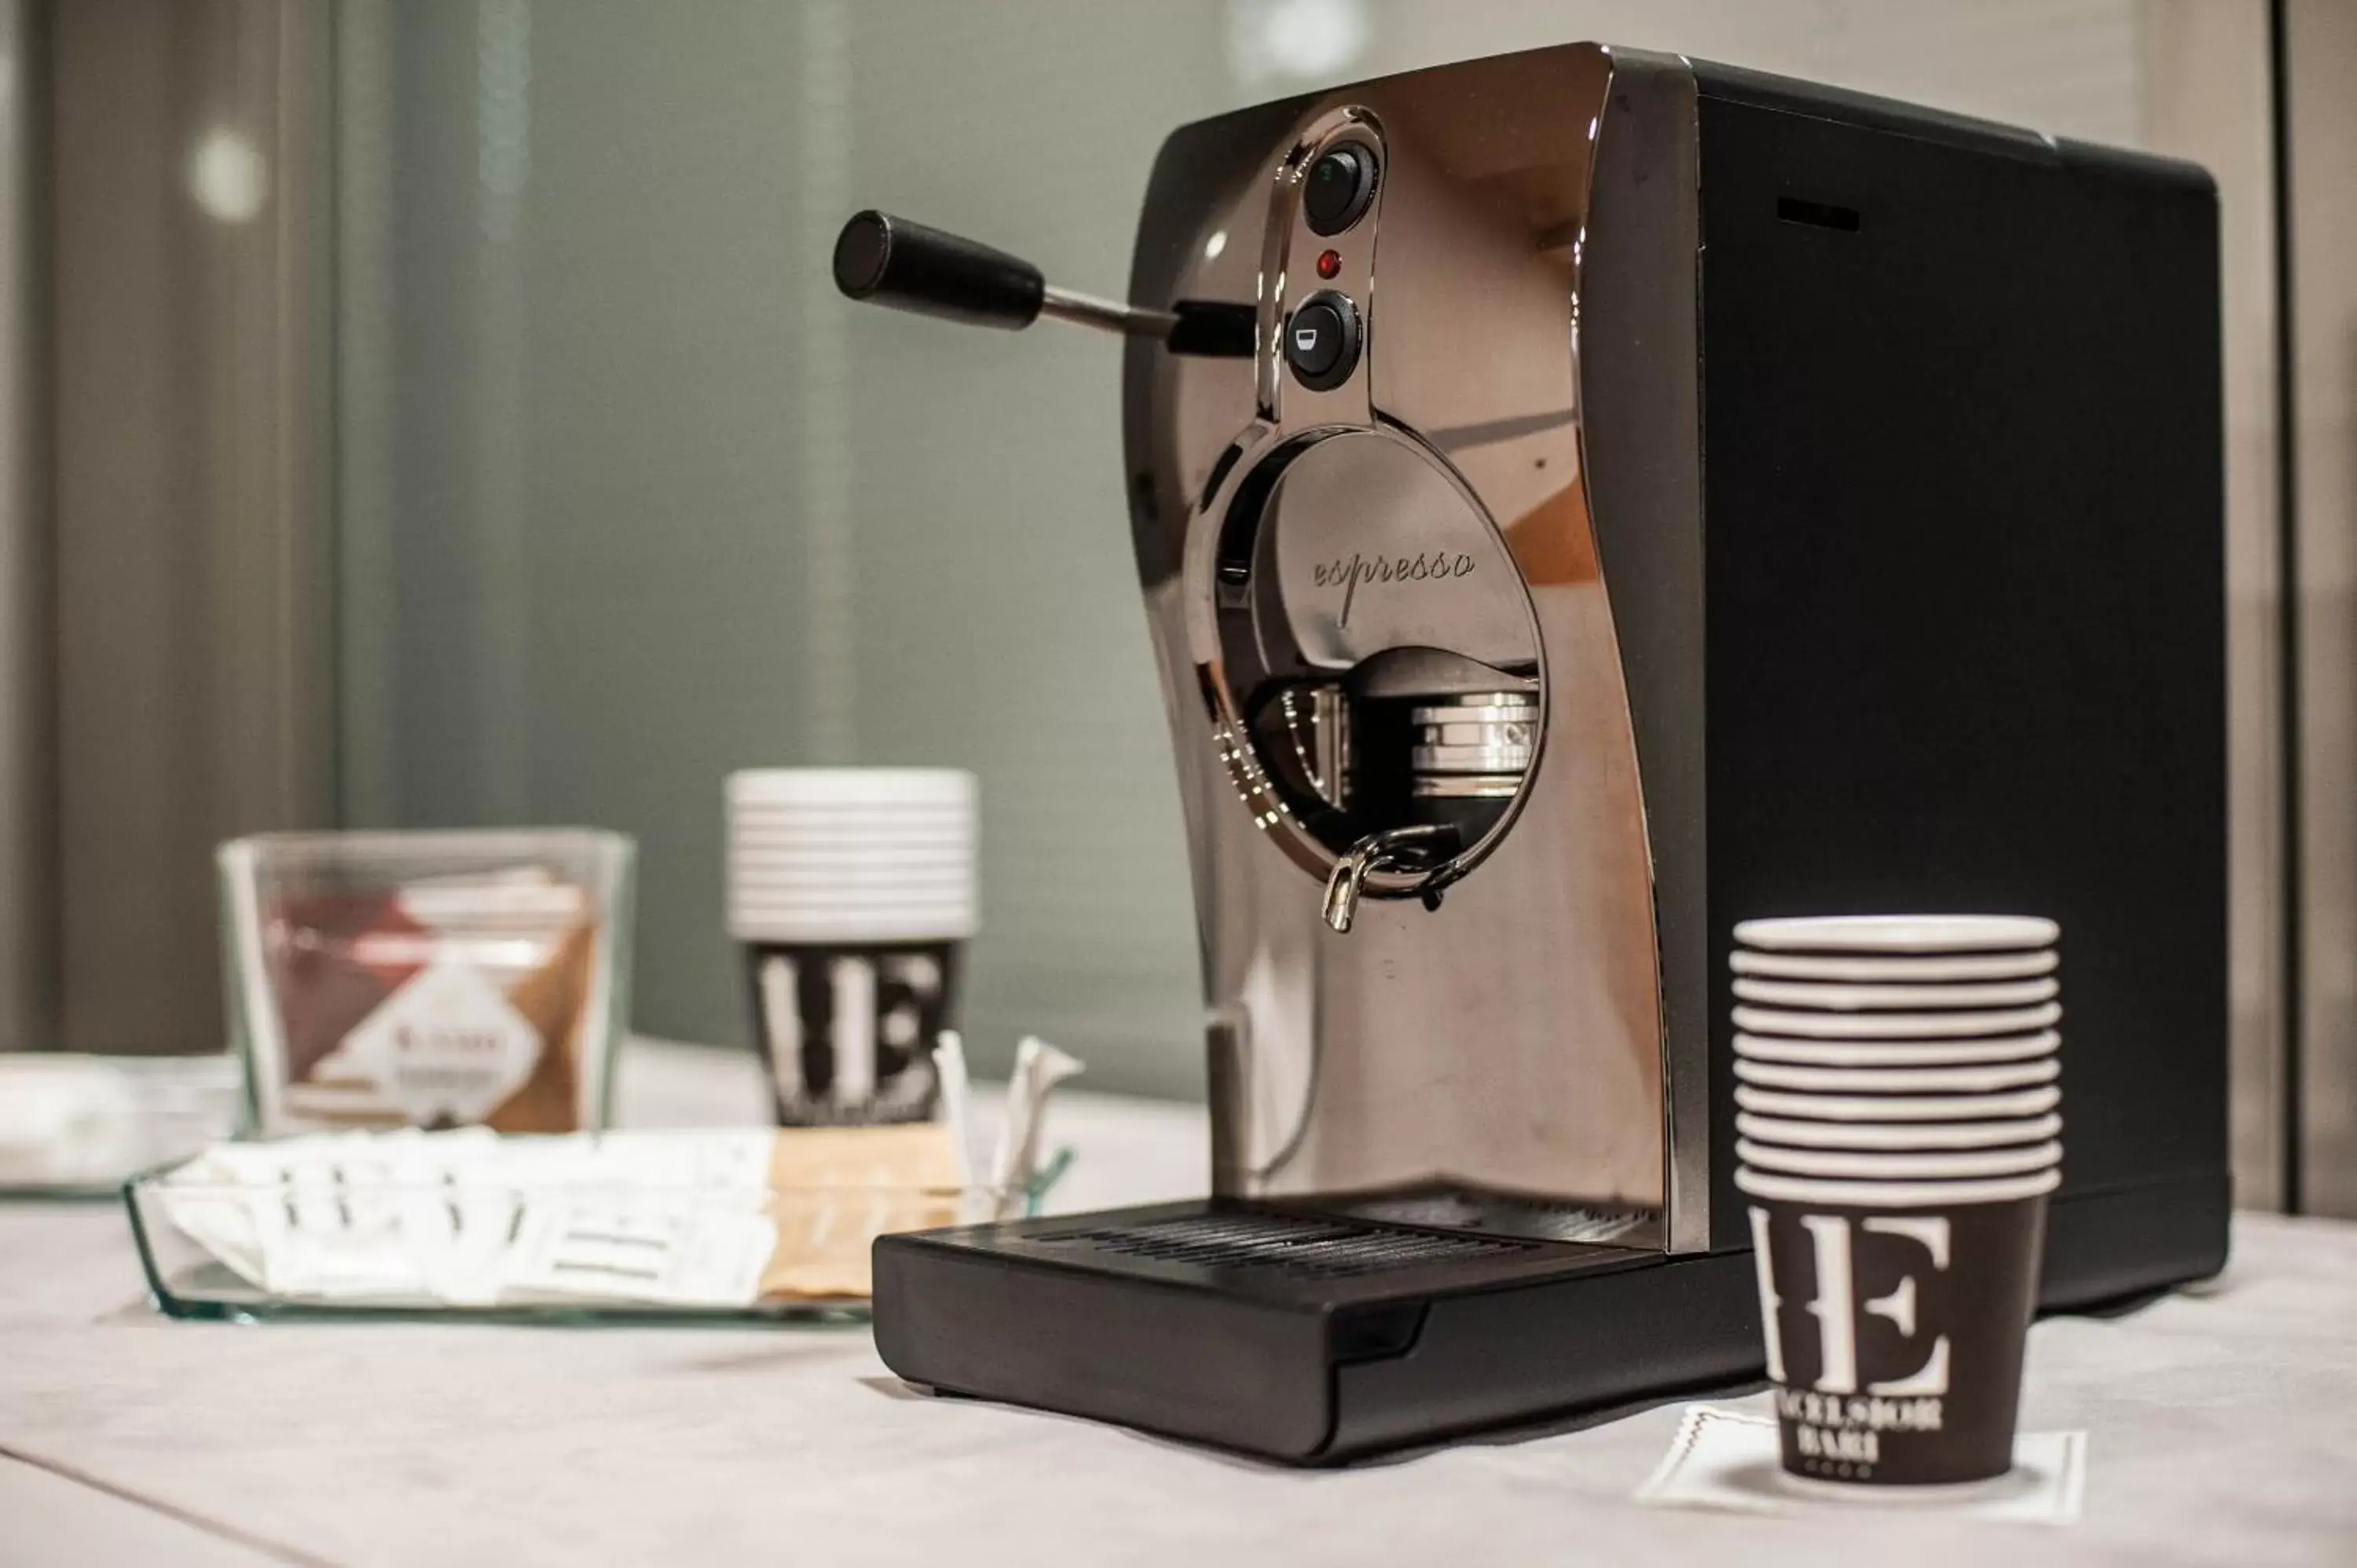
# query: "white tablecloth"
{"points": [[2224, 1426]]}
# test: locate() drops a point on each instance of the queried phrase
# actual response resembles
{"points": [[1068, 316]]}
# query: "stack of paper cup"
{"points": [[853, 892], [1898, 1130], [860, 853]]}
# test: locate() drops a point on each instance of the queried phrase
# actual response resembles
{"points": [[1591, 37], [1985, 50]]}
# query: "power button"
{"points": [[1321, 340]]}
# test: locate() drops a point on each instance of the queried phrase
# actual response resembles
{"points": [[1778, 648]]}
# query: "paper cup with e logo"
{"points": [[852, 890], [1895, 1314], [1896, 1088]]}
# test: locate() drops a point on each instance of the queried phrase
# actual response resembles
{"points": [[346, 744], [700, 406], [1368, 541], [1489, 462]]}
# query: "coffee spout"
{"points": [[1393, 849]]}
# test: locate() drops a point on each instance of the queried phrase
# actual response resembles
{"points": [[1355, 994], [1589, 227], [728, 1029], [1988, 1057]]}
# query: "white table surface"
{"points": [[2223, 1422]]}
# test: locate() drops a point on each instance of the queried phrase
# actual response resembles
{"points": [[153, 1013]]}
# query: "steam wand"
{"points": [[891, 260]]}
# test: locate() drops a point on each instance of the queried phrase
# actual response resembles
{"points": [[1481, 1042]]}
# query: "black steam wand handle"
{"points": [[910, 266]]}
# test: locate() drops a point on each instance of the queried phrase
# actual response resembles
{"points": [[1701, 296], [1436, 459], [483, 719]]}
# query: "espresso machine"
{"points": [[1583, 499]]}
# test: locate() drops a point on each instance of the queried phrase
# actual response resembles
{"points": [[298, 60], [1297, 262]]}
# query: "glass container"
{"points": [[428, 979]]}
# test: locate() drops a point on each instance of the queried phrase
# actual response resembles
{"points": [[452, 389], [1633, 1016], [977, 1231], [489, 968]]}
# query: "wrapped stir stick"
{"points": [[1038, 1068]]}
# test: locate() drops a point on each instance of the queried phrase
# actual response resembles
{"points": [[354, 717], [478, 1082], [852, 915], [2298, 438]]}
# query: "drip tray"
{"points": [[1284, 1243], [1457, 1207], [1309, 1333], [1327, 1255]]}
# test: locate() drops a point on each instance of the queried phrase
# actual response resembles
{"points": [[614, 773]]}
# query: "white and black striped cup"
{"points": [[1899, 1129], [852, 891]]}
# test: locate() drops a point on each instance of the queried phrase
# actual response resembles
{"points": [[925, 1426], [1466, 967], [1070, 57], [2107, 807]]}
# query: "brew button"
{"points": [[1321, 341], [1316, 340]]}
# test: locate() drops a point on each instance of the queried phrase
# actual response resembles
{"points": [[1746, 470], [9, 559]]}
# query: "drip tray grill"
{"points": [[1282, 1244]]}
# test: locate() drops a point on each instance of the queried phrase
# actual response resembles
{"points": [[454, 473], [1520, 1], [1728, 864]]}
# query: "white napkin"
{"points": [[1727, 1459]]}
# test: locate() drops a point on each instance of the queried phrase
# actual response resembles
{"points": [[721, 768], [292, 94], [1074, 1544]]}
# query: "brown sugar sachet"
{"points": [[837, 1188]]}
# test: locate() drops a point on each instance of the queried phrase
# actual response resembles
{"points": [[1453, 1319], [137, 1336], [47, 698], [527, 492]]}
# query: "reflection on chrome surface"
{"points": [[1420, 846]]}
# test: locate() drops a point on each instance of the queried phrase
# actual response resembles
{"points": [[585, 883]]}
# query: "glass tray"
{"points": [[188, 1280]]}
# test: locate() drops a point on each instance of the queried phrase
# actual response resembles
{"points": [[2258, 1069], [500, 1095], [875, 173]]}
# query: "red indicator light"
{"points": [[1329, 265]]}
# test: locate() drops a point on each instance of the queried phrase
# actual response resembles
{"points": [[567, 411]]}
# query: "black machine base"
{"points": [[1313, 1338]]}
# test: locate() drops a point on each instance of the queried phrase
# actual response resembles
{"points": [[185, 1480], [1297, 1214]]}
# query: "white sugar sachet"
{"points": [[655, 1253], [732, 1164], [223, 1224]]}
